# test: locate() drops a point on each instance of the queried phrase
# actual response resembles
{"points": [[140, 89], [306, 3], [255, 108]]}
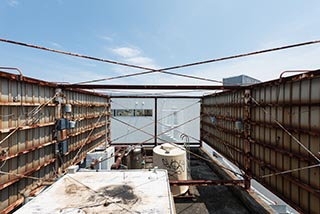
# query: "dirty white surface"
{"points": [[130, 191]]}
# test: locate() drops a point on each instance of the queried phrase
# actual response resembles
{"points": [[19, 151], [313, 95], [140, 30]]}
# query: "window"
{"points": [[132, 112]]}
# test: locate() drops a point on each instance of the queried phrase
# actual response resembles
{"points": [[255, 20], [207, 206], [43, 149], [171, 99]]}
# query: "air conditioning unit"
{"points": [[100, 159]]}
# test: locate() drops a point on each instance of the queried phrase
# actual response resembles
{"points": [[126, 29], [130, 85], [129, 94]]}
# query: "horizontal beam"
{"points": [[150, 87], [155, 96], [205, 182]]}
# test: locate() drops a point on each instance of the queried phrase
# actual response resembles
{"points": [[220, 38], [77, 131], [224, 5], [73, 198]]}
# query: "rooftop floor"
{"points": [[208, 199]]}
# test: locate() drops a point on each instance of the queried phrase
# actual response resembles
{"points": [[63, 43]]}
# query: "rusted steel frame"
{"points": [[27, 173], [53, 85], [154, 96], [227, 131], [89, 117], [16, 69], [247, 131], [270, 167], [26, 79], [92, 138], [156, 122], [263, 105], [292, 71], [296, 130], [89, 104], [72, 134], [25, 104], [26, 127], [295, 78], [117, 164], [12, 206], [151, 143], [225, 143], [25, 151], [220, 105], [82, 156], [201, 125], [150, 87], [224, 117], [292, 179], [285, 152], [206, 182], [309, 75]]}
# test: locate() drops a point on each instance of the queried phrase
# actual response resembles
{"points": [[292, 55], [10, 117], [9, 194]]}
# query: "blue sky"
{"points": [[158, 34]]}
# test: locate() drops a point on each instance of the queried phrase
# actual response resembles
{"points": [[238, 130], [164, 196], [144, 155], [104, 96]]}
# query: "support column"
{"points": [[155, 121], [247, 177]]}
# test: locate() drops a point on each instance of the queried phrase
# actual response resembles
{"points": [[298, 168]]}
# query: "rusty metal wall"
{"points": [[260, 129], [29, 114]]}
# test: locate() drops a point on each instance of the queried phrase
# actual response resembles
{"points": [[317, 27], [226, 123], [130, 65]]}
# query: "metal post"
{"points": [[247, 176], [201, 112], [155, 121]]}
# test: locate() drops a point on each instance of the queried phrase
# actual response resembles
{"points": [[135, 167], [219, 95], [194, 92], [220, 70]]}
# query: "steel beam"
{"points": [[150, 87], [205, 182], [154, 96]]}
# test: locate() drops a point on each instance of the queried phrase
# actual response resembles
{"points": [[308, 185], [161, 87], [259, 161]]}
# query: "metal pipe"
{"points": [[13, 68], [205, 182], [293, 71]]}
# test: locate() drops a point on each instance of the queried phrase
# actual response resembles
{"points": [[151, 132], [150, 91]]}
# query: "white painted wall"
{"points": [[165, 108]]}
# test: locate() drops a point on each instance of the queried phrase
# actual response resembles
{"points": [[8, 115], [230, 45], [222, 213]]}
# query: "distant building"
{"points": [[241, 80]]}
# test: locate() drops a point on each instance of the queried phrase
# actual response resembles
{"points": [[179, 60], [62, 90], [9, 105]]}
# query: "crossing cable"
{"points": [[89, 135], [173, 144], [98, 193], [206, 113], [286, 131], [291, 170], [149, 70], [226, 146], [164, 70], [32, 113], [149, 124]]}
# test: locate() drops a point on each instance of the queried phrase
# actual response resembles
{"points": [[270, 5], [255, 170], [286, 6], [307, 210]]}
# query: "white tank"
{"points": [[174, 160]]}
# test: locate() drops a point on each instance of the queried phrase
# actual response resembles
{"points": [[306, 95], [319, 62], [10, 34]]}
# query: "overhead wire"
{"points": [[96, 192], [173, 144], [291, 170], [286, 131], [89, 135], [150, 70], [188, 151], [32, 113], [149, 124], [227, 147]]}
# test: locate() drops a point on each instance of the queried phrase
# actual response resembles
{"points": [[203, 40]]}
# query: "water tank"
{"points": [[136, 158], [174, 160]]}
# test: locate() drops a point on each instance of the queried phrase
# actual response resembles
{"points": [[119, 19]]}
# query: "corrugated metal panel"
{"points": [[263, 146], [28, 115]]}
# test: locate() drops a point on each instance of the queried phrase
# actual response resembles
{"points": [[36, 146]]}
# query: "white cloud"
{"points": [[134, 56], [107, 38], [13, 3], [126, 52], [56, 45], [142, 61]]}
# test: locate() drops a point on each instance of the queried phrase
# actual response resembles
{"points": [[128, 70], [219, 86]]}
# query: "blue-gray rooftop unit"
{"points": [[241, 80]]}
